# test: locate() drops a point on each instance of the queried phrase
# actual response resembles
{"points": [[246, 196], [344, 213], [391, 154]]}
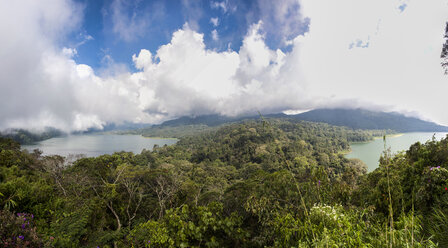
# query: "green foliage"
{"points": [[18, 230], [190, 227], [173, 132], [71, 228], [275, 183], [438, 227], [26, 137], [365, 119]]}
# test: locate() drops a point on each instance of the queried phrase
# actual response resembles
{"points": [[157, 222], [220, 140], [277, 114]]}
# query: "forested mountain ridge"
{"points": [[352, 118], [188, 126], [365, 119], [271, 183], [185, 126]]}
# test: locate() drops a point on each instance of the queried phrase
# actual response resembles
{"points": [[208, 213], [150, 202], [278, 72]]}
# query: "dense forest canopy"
{"points": [[253, 184]]}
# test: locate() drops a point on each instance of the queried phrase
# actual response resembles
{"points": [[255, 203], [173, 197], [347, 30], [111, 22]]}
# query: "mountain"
{"points": [[353, 118], [208, 120], [365, 119]]}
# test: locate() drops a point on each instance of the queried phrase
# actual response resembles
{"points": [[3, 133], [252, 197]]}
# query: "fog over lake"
{"points": [[370, 152], [92, 145]]}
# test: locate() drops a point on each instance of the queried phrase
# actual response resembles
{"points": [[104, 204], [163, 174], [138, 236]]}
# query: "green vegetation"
{"points": [[253, 184], [25, 137], [352, 118], [364, 119], [170, 131], [187, 126]]}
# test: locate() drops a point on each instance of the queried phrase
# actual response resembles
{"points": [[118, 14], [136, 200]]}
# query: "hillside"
{"points": [[185, 126], [250, 184], [352, 118], [364, 119]]}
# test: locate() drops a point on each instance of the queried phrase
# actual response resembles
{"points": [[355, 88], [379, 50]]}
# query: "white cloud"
{"points": [[27, 92], [220, 5], [143, 59], [43, 86], [214, 21], [282, 19], [215, 35], [189, 79], [84, 37], [192, 11], [128, 27], [398, 70], [69, 52], [400, 67]]}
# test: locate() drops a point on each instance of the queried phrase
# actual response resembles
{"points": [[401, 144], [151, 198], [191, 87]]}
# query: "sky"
{"points": [[80, 64]]}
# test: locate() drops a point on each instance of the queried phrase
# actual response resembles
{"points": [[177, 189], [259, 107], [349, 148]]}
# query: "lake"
{"points": [[92, 145], [370, 152]]}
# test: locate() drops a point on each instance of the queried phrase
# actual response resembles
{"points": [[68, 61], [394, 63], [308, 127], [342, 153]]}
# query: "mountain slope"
{"points": [[208, 120], [353, 118], [364, 119]]}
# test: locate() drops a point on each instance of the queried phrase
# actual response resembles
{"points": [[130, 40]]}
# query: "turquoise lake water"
{"points": [[92, 145], [370, 152]]}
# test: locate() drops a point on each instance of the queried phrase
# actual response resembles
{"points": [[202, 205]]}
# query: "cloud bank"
{"points": [[377, 55], [378, 51]]}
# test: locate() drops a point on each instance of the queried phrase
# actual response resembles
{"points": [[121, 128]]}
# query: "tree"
{"points": [[444, 54]]}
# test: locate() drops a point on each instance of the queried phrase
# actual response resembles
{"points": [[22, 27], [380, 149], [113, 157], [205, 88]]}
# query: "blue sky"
{"points": [[113, 29], [78, 64]]}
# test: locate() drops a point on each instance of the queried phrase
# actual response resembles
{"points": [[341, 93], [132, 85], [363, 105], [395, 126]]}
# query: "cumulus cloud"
{"points": [[26, 91], [190, 79], [398, 70], [41, 85], [182, 77]]}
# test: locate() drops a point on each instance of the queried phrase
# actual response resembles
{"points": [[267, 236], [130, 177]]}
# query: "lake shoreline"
{"points": [[395, 135], [93, 145], [148, 137], [369, 152]]}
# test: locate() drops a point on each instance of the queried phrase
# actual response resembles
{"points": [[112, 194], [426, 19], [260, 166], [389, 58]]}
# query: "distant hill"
{"points": [[364, 119], [186, 126], [114, 127], [25, 137], [208, 120], [353, 118]]}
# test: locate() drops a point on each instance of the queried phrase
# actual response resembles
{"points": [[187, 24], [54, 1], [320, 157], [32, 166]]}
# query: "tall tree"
{"points": [[444, 54]]}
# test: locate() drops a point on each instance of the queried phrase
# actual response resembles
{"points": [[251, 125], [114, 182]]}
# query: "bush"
{"points": [[17, 230]]}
